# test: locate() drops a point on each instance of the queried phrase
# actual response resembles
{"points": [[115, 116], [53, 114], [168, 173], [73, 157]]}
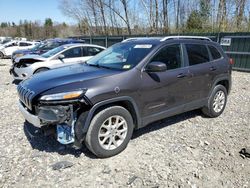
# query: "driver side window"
{"points": [[73, 52], [170, 55]]}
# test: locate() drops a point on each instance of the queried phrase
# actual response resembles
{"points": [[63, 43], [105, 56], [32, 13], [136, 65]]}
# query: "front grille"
{"points": [[25, 95]]}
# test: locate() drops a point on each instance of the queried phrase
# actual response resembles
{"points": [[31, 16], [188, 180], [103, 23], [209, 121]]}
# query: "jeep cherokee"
{"points": [[125, 87]]}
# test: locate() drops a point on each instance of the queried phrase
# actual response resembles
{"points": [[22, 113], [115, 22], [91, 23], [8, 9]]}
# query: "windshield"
{"points": [[52, 52], [122, 56], [37, 46]]}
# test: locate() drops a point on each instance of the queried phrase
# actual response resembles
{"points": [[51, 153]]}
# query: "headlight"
{"points": [[62, 96], [18, 55]]}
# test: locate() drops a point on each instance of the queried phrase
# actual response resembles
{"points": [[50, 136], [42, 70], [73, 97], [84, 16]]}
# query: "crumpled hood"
{"points": [[30, 58], [64, 79]]}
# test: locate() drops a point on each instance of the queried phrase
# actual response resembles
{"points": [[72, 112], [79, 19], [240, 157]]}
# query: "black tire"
{"points": [[40, 70], [92, 141], [1, 55], [209, 110]]}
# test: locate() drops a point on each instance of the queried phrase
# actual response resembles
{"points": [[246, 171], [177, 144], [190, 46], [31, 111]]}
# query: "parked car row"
{"points": [[64, 55], [33, 57], [125, 87], [8, 48], [44, 46]]}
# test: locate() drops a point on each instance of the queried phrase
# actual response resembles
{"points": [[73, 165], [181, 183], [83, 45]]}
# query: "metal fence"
{"points": [[236, 45]]}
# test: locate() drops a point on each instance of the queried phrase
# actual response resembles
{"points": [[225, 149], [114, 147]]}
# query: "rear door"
{"points": [[201, 70]]}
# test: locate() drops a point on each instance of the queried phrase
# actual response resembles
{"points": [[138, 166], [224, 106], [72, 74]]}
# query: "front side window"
{"points": [[170, 55], [73, 52], [197, 54], [214, 52], [121, 56]]}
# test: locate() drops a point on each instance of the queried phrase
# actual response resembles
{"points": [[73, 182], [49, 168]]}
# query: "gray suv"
{"points": [[126, 87]]}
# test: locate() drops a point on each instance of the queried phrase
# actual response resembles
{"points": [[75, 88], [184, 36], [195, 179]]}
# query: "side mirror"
{"points": [[156, 66], [61, 57]]}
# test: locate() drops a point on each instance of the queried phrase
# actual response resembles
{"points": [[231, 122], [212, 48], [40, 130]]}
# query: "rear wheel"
{"points": [[40, 70], [109, 132], [217, 102]]}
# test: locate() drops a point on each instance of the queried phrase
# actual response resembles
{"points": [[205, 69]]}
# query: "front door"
{"points": [[71, 56], [164, 91]]}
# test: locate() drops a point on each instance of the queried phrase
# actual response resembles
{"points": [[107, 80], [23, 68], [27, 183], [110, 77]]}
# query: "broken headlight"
{"points": [[62, 96]]}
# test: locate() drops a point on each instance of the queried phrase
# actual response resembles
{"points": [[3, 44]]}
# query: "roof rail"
{"points": [[185, 37], [134, 38]]}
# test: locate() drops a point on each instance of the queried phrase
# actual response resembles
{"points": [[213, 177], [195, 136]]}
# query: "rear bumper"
{"points": [[28, 116]]}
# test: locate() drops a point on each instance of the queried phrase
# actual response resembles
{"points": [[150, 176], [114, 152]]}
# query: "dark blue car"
{"points": [[44, 47]]}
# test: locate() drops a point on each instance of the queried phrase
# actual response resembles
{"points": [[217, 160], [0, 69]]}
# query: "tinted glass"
{"points": [[197, 54], [214, 52], [170, 55], [73, 52]]}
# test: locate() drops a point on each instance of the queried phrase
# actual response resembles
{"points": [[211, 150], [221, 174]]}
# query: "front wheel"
{"points": [[109, 132], [216, 102]]}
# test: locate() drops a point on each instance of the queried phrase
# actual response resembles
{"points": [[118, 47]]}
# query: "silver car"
{"points": [[64, 55]]}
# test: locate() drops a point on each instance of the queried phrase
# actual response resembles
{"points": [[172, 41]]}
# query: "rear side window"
{"points": [[214, 52], [197, 54], [170, 55], [91, 51]]}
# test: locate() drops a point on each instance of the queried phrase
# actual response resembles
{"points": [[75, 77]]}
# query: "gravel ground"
{"points": [[187, 150]]}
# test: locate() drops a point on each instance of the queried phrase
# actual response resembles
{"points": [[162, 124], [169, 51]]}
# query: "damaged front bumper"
{"points": [[61, 116], [28, 116]]}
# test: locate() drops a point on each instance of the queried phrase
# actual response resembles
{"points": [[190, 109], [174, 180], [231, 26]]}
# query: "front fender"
{"points": [[83, 122]]}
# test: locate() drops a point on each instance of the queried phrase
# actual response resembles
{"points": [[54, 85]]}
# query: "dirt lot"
{"points": [[187, 150]]}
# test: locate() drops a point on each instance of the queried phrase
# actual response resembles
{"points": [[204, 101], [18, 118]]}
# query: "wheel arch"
{"points": [[225, 81], [127, 102], [36, 69]]}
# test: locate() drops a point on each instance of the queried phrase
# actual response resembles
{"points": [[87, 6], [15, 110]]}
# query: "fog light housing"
{"points": [[24, 75]]}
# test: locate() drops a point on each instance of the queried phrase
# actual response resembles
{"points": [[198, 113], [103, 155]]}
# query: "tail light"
{"points": [[231, 61]]}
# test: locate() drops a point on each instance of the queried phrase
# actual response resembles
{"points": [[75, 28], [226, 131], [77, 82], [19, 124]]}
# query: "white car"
{"points": [[8, 48], [64, 55]]}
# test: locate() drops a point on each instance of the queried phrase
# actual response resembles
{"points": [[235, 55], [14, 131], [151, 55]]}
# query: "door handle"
{"points": [[212, 68], [181, 75]]}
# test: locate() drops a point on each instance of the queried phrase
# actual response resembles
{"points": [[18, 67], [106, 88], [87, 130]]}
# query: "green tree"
{"points": [[194, 21], [48, 26]]}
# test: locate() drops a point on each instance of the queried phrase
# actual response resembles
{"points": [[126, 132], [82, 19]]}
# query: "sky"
{"points": [[31, 10]]}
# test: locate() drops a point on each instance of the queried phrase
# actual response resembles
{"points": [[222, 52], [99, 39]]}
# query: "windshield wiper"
{"points": [[93, 65], [98, 66]]}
